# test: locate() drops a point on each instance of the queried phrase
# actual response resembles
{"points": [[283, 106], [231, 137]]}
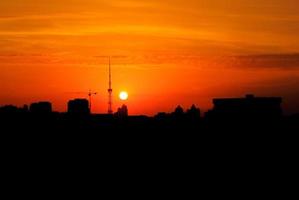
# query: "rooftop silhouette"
{"points": [[78, 106], [248, 107]]}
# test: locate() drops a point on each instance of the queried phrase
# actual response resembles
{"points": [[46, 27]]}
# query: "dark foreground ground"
{"points": [[178, 131], [149, 154]]}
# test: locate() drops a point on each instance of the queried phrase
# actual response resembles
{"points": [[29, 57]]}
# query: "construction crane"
{"points": [[110, 111], [90, 94]]}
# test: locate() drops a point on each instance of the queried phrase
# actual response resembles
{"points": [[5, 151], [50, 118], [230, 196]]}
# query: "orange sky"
{"points": [[168, 52]]}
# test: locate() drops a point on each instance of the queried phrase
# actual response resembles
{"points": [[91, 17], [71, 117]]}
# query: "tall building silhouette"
{"points": [[78, 106], [250, 106]]}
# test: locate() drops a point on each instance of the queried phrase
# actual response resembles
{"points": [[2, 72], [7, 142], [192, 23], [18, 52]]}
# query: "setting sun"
{"points": [[123, 95]]}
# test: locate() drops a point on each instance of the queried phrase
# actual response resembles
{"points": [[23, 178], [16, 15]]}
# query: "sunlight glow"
{"points": [[123, 95]]}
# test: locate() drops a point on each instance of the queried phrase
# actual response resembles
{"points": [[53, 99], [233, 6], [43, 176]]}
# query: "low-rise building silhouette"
{"points": [[41, 108], [8, 109], [248, 107], [78, 106]]}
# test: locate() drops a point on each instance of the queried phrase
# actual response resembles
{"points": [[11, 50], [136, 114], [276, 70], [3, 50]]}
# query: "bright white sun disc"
{"points": [[123, 95]]}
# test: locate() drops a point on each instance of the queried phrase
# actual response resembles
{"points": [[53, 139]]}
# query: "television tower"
{"points": [[110, 111]]}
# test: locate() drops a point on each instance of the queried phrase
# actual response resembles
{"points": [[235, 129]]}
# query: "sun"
{"points": [[123, 95]]}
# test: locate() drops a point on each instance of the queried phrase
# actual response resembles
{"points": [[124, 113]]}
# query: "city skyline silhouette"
{"points": [[167, 89], [258, 116]]}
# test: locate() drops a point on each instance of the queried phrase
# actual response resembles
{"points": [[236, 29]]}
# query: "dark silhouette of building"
{"points": [[41, 108], [161, 115], [25, 108], [179, 117], [122, 112], [248, 107], [193, 114], [11, 109], [8, 109], [252, 117], [179, 111], [78, 106]]}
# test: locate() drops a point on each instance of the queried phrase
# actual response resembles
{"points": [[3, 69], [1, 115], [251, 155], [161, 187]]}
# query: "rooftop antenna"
{"points": [[110, 111]]}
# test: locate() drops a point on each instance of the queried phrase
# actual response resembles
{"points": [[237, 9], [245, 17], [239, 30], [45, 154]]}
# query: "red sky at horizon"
{"points": [[166, 53]]}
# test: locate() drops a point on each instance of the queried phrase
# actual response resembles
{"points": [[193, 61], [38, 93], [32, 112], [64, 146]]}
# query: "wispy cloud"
{"points": [[282, 61]]}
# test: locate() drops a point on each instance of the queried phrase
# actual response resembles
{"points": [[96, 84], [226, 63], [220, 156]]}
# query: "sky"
{"points": [[164, 53]]}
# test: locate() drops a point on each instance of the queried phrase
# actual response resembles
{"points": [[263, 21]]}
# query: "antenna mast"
{"points": [[110, 90]]}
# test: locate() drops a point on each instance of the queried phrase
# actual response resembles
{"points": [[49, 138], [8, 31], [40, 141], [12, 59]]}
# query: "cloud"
{"points": [[282, 61]]}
